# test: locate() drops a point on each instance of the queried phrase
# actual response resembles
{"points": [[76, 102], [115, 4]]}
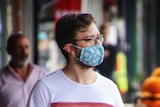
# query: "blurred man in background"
{"points": [[19, 76]]}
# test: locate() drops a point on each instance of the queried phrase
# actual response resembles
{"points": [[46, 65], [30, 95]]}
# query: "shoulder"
{"points": [[51, 80], [106, 81], [4, 74], [4, 70], [52, 76], [38, 68]]}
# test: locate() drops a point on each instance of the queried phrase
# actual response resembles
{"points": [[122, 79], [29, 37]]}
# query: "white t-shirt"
{"points": [[57, 90]]}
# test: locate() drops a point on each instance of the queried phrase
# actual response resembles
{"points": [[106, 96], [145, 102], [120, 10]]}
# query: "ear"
{"points": [[69, 49]]}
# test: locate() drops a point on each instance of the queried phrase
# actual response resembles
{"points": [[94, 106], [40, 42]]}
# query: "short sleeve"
{"points": [[40, 96]]}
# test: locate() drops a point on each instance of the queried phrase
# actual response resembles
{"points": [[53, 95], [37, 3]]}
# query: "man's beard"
{"points": [[20, 62]]}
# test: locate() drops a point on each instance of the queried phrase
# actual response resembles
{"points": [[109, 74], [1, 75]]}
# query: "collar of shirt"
{"points": [[14, 72]]}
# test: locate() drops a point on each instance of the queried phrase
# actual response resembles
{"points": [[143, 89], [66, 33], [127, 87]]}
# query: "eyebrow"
{"points": [[94, 35], [89, 36]]}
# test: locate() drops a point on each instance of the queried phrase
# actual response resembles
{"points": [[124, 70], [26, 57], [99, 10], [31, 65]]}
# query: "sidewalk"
{"points": [[128, 105]]}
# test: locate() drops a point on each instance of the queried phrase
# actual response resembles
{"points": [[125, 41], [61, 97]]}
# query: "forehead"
{"points": [[91, 30], [20, 41]]}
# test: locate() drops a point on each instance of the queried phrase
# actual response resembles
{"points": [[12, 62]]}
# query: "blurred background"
{"points": [[134, 27]]}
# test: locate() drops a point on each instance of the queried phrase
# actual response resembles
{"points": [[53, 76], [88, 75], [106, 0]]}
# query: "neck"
{"points": [[22, 71], [79, 74]]}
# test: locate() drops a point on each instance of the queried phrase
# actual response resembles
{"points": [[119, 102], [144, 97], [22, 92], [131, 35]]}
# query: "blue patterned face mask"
{"points": [[92, 55]]}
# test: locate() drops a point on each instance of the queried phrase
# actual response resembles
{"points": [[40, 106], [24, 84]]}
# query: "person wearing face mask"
{"points": [[18, 77], [77, 84]]}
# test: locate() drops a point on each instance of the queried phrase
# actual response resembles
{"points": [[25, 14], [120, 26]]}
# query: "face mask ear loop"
{"points": [[75, 47], [78, 48]]}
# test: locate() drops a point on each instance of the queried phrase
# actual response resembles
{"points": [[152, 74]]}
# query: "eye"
{"points": [[89, 39]]}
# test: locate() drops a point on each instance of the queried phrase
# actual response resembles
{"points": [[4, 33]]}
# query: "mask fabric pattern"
{"points": [[93, 55]]}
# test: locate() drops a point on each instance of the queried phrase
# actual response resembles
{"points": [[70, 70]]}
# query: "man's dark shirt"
{"points": [[106, 68]]}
